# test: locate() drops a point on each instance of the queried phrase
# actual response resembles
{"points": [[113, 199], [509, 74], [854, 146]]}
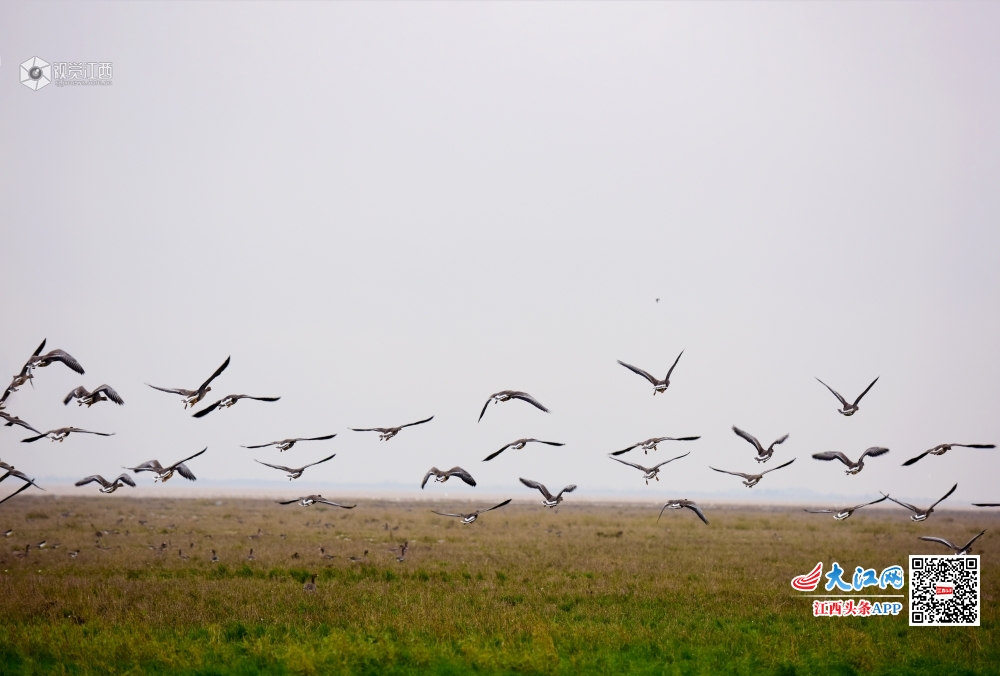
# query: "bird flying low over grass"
{"points": [[164, 473], [88, 399], [285, 444], [658, 385], [751, 480], [107, 486], [519, 444], [848, 409], [841, 514], [192, 397], [650, 444], [959, 551], [683, 504], [312, 500], [763, 455], [386, 433], [941, 449], [228, 401], [921, 514], [550, 500], [507, 395], [62, 433], [472, 516], [852, 467], [649, 472], [440, 476], [295, 473]]}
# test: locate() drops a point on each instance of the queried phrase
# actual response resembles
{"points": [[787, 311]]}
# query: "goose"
{"points": [[658, 385], [848, 409], [62, 433], [472, 516], [519, 444], [182, 555], [250, 556], [38, 360], [7, 533], [751, 480], [310, 586], [402, 551], [386, 433], [75, 553], [683, 504], [762, 454], [359, 559], [506, 395], [14, 420], [295, 473], [164, 473], [852, 467], [442, 476], [215, 557], [286, 444], [228, 401], [23, 487], [312, 499], [649, 472], [322, 553], [941, 449], [550, 500], [24, 375], [88, 399], [959, 551], [107, 486], [921, 514], [650, 444], [841, 514], [192, 397]]}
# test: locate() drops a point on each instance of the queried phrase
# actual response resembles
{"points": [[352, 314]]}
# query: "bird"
{"points": [[215, 558], [23, 487], [921, 514], [519, 444], [286, 444], [841, 514], [506, 395], [192, 397], [107, 486], [649, 472], [88, 399], [658, 385], [472, 516], [164, 473], [852, 467], [23, 376], [295, 473], [959, 551], [38, 360], [62, 433], [310, 586], [751, 480], [7, 533], [75, 553], [941, 449], [14, 420], [358, 559], [550, 500], [386, 433], [312, 499], [848, 409], [17, 474], [250, 556], [762, 454], [182, 555], [402, 551], [442, 476], [228, 401], [322, 552], [683, 504], [650, 444]]}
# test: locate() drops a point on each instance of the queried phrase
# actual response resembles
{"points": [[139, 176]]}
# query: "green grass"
{"points": [[524, 590]]}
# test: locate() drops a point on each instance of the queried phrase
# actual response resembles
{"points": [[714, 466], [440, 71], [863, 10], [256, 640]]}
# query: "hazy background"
{"points": [[385, 211]]}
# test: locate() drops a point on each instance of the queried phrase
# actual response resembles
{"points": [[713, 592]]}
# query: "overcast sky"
{"points": [[387, 211]]}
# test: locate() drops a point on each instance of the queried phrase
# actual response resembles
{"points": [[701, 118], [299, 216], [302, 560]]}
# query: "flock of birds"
{"points": [[191, 398]]}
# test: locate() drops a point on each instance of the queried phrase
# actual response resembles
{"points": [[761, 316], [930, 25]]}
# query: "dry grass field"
{"points": [[585, 588]]}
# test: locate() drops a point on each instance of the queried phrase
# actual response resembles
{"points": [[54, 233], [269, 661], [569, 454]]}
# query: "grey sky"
{"points": [[386, 211]]}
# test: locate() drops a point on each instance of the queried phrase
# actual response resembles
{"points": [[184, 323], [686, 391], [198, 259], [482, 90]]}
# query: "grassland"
{"points": [[581, 589]]}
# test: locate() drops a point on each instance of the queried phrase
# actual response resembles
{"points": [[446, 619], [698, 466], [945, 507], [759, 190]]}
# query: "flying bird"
{"points": [[658, 385], [14, 420], [164, 473], [941, 449], [295, 473], [519, 444], [313, 499], [763, 455], [848, 409], [17, 474], [841, 514], [921, 514], [285, 444], [38, 360], [62, 433], [228, 401], [506, 395], [472, 516], [650, 444], [649, 472], [386, 433], [959, 551], [24, 375], [751, 480], [852, 467], [683, 504], [107, 486], [442, 476], [192, 397], [550, 500], [88, 399]]}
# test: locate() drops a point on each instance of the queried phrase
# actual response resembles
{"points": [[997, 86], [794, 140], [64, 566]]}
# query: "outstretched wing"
{"points": [[865, 392], [821, 511], [639, 371], [320, 461], [671, 460], [430, 472], [31, 439], [208, 409], [869, 503], [462, 474], [630, 464], [939, 540], [262, 445], [538, 486], [369, 429], [493, 455], [281, 467], [481, 414], [173, 390], [183, 470], [14, 420], [548, 443], [287, 502], [65, 358], [976, 445], [675, 364], [778, 467], [215, 375], [323, 438], [969, 543], [913, 460], [90, 479], [910, 507], [943, 498], [780, 440], [874, 452], [524, 396], [749, 437], [176, 464], [126, 479], [110, 394], [986, 504], [835, 393], [460, 516], [23, 487], [833, 455], [490, 509], [745, 476], [74, 394], [626, 450], [334, 504], [680, 438], [247, 396], [697, 510], [567, 489], [419, 422], [100, 434]]}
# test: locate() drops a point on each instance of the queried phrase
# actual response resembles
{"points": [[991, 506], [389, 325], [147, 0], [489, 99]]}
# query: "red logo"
{"points": [[808, 581], [944, 589]]}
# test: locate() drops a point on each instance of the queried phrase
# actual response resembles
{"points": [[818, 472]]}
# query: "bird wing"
{"points": [[14, 420], [100, 434], [462, 474], [680, 438], [821, 511], [674, 365], [778, 467], [626, 450], [835, 393], [869, 503], [261, 445], [745, 476], [549, 443], [490, 509], [833, 455], [23, 487], [125, 479], [31, 439], [176, 464], [639, 371], [749, 437], [65, 358], [369, 429], [78, 392], [183, 470], [205, 411], [173, 390], [780, 440], [320, 461], [419, 422], [431, 471], [567, 489], [945, 496], [334, 504], [39, 349], [969, 543], [90, 479], [630, 464], [485, 406], [281, 467], [904, 504], [986, 504], [247, 396], [976, 445], [215, 375], [874, 452], [493, 455], [524, 396], [148, 466], [865, 392], [24, 477], [110, 394], [941, 540], [539, 486], [697, 510], [671, 460], [287, 502], [913, 460], [323, 438], [460, 516]]}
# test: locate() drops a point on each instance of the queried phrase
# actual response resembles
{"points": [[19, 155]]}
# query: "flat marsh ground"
{"points": [[586, 588]]}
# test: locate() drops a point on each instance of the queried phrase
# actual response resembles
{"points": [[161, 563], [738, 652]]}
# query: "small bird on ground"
{"points": [[650, 444], [921, 514], [751, 480], [472, 516], [386, 433], [852, 467], [295, 473], [841, 514], [313, 499], [228, 401], [941, 449], [62, 433], [164, 473], [550, 500], [649, 472], [848, 409], [519, 444], [683, 504], [440, 476], [107, 486], [192, 397], [658, 385], [88, 399], [763, 455], [959, 551], [507, 395], [310, 586]]}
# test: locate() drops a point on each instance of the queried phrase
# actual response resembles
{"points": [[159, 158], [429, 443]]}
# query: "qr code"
{"points": [[944, 591]]}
